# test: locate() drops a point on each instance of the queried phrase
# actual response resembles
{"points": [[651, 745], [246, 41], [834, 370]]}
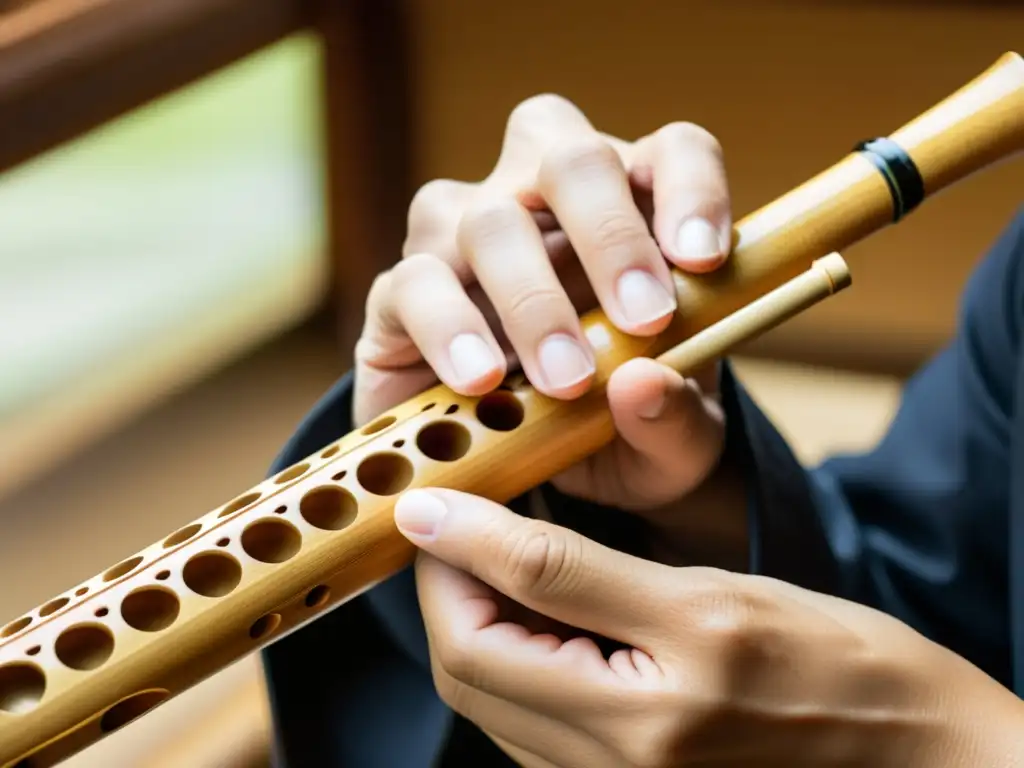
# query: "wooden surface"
{"points": [[370, 145], [787, 87]]}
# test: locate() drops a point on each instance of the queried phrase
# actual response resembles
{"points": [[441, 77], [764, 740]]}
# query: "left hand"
{"points": [[716, 669]]}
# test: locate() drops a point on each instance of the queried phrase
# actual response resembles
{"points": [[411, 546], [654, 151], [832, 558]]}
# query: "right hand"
{"points": [[495, 274]]}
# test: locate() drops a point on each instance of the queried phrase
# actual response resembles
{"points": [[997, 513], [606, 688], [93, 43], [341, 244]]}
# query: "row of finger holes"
{"points": [[50, 608], [270, 540], [127, 566]]}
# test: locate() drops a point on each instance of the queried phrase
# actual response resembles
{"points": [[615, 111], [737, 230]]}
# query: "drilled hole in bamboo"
{"points": [[53, 606], [84, 646], [385, 474], [339, 476], [223, 542], [382, 423], [34, 650], [16, 626], [264, 625], [150, 609], [180, 537], [21, 687], [271, 540], [239, 504], [131, 708], [444, 441], [123, 569], [328, 508], [81, 591], [329, 452], [500, 411], [291, 473], [100, 613], [212, 574], [317, 596], [163, 576]]}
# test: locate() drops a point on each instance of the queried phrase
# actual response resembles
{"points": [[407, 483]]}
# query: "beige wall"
{"points": [[788, 87]]}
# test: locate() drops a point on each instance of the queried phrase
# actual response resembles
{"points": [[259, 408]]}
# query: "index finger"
{"points": [[544, 567]]}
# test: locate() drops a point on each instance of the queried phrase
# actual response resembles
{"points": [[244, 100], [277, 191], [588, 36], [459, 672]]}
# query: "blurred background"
{"points": [[196, 194]]}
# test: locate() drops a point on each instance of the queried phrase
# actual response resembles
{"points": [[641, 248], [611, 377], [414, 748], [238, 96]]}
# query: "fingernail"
{"points": [[418, 514], [698, 240], [643, 298], [563, 361], [471, 357]]}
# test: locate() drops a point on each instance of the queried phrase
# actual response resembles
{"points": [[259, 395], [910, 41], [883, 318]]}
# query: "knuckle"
{"points": [[538, 562], [412, 270], [524, 305], [585, 153], [720, 610], [380, 290], [432, 198], [489, 218], [685, 133], [540, 109], [432, 215], [617, 232]]}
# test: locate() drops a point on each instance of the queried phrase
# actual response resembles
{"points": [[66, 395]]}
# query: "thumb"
{"points": [[675, 433], [547, 568]]}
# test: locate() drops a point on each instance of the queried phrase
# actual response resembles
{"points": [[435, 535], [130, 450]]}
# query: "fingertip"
{"points": [[641, 387], [564, 367], [477, 365], [419, 515], [697, 244]]}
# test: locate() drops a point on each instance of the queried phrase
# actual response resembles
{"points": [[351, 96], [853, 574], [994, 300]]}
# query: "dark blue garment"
{"points": [[928, 527]]}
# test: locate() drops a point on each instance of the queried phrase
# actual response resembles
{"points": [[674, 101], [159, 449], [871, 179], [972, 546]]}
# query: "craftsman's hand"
{"points": [[495, 274], [717, 669]]}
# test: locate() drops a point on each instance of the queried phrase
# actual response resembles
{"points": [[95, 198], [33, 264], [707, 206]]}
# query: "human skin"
{"points": [[714, 667]]}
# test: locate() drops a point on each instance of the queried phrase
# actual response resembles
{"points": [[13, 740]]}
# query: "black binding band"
{"points": [[901, 175]]}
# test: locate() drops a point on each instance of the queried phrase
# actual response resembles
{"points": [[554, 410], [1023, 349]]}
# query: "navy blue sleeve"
{"points": [[919, 526]]}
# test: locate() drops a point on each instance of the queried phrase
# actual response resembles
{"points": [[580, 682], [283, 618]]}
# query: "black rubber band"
{"points": [[899, 171]]}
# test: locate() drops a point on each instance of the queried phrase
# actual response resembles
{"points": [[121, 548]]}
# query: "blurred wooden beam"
{"points": [[68, 66], [368, 97]]}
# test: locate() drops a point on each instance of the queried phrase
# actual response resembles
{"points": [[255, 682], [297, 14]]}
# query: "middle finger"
{"points": [[587, 187]]}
